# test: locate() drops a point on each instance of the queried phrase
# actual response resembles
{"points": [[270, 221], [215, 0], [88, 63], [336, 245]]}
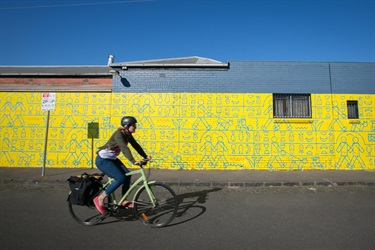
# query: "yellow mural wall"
{"points": [[190, 131]]}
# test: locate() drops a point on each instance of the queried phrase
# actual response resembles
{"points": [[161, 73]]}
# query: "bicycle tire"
{"points": [[86, 215], [164, 211]]}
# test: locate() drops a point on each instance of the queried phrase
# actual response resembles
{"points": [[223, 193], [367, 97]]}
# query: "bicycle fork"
{"points": [[151, 196]]}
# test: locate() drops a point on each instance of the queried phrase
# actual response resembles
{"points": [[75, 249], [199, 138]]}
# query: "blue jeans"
{"points": [[116, 170]]}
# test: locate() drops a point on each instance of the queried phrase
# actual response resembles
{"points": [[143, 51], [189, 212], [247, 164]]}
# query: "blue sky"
{"points": [[81, 32]]}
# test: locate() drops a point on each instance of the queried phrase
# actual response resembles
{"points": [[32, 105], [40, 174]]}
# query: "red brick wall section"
{"points": [[57, 81]]}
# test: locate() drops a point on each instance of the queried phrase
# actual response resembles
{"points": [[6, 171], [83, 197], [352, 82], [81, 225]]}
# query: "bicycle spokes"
{"points": [[162, 212]]}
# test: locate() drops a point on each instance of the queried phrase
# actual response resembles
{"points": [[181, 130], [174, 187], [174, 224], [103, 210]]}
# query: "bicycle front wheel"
{"points": [[165, 208], [87, 214]]}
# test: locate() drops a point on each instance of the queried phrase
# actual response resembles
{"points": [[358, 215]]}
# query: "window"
{"points": [[291, 106], [352, 109]]}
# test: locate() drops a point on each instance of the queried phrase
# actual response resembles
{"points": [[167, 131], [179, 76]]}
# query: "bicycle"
{"points": [[154, 204]]}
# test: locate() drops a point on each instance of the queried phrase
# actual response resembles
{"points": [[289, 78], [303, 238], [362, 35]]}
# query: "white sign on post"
{"points": [[48, 101]]}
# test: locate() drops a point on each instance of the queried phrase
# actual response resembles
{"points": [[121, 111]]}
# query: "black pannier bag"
{"points": [[83, 188]]}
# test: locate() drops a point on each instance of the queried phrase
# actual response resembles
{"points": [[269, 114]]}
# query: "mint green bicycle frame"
{"points": [[154, 204], [142, 178]]}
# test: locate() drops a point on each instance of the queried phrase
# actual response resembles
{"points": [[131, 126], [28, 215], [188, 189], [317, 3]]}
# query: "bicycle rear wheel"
{"points": [[163, 212], [87, 214]]}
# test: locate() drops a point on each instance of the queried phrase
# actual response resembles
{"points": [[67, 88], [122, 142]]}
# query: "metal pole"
{"points": [[92, 152], [45, 145]]}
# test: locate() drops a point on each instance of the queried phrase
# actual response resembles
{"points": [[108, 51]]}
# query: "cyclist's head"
{"points": [[126, 121]]}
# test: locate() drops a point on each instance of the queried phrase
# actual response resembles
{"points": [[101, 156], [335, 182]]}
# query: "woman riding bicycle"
{"points": [[110, 165]]}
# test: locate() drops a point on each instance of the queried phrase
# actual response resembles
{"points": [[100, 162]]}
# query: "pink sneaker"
{"points": [[127, 204], [99, 207]]}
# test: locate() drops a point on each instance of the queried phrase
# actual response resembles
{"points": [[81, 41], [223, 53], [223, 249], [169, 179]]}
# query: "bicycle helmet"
{"points": [[128, 120]]}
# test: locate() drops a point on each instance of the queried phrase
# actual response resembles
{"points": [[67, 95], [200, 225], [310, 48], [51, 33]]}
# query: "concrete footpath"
{"points": [[204, 177]]}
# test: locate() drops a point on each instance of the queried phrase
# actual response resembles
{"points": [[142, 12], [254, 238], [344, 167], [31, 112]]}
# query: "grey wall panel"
{"points": [[354, 78], [253, 77]]}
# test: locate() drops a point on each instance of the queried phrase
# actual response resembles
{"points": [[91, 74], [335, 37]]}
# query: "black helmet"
{"points": [[128, 120]]}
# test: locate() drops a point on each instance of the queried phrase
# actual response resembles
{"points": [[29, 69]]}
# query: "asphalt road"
{"points": [[35, 216]]}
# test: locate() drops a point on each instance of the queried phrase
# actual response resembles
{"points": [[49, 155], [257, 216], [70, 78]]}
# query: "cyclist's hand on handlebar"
{"points": [[139, 163], [143, 162]]}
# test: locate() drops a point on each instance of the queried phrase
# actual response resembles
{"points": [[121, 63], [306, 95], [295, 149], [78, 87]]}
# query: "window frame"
{"points": [[286, 109], [352, 109]]}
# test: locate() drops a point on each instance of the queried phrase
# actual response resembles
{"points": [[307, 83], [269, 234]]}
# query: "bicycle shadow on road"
{"points": [[188, 206], [121, 216]]}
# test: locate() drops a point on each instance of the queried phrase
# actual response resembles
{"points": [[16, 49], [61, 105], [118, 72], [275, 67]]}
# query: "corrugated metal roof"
{"points": [[54, 70]]}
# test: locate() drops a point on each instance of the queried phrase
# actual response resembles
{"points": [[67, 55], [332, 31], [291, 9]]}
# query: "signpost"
{"points": [[48, 103], [92, 132]]}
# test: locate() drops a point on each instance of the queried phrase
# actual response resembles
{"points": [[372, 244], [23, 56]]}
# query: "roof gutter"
{"points": [[54, 74]]}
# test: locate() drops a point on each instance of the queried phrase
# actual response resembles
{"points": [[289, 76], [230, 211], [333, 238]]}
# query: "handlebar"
{"points": [[144, 162]]}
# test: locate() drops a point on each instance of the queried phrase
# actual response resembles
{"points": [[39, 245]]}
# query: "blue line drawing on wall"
{"points": [[337, 115], [276, 151], [178, 163], [179, 124], [106, 127], [296, 162], [72, 147], [18, 111], [316, 164], [7, 110], [253, 161], [24, 159], [6, 147], [141, 108], [201, 117], [356, 150], [146, 113], [85, 147], [207, 149], [223, 124], [345, 150], [69, 114], [219, 153], [358, 126]]}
